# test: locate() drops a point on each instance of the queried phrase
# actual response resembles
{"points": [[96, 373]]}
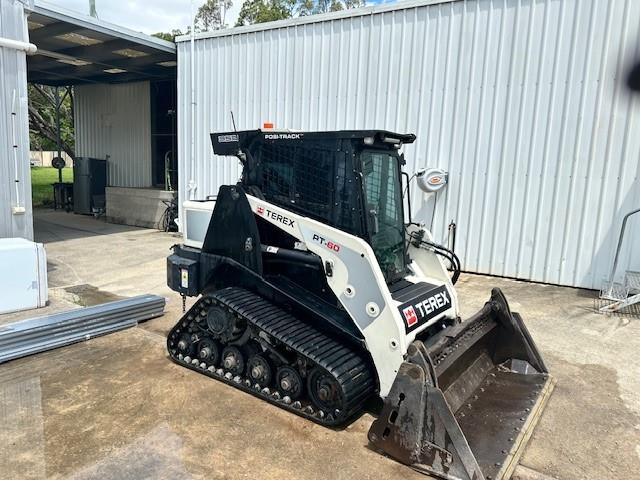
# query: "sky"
{"points": [[149, 16]]}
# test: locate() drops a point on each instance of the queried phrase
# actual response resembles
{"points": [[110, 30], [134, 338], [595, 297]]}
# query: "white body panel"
{"points": [[23, 275], [359, 284], [195, 221], [357, 280]]}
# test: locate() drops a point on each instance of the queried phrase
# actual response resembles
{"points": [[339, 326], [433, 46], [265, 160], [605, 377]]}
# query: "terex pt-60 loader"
{"points": [[316, 296]]}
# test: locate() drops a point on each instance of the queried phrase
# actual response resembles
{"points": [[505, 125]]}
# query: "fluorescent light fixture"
{"points": [[62, 57], [170, 63], [34, 25], [114, 70], [78, 39], [130, 53], [74, 61]]}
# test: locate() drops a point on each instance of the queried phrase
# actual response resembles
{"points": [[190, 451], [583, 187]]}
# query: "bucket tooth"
{"points": [[464, 403]]}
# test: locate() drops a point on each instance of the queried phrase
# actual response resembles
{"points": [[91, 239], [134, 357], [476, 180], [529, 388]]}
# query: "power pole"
{"points": [[92, 9]]}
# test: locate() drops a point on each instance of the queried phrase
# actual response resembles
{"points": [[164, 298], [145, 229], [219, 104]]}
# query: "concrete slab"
{"points": [[142, 207], [98, 261], [116, 407]]}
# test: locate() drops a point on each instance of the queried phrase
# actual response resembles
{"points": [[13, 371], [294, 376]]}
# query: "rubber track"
{"points": [[347, 367]]}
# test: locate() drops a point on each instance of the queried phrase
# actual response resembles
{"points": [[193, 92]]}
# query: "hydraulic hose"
{"points": [[442, 251]]}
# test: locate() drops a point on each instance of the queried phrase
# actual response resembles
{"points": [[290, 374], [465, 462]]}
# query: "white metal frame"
{"points": [[359, 284]]}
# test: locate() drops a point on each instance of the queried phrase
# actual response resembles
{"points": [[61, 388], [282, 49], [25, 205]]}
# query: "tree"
{"points": [[305, 7], [260, 11], [92, 9], [171, 36], [349, 4], [42, 119], [311, 7], [210, 17]]}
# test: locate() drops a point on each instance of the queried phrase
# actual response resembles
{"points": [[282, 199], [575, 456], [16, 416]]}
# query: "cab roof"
{"points": [[230, 143]]}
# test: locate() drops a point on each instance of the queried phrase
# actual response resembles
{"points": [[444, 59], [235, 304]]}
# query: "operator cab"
{"points": [[350, 180]]}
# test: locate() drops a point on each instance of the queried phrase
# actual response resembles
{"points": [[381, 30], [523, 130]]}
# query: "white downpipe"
{"points": [[192, 186], [28, 48], [14, 141]]}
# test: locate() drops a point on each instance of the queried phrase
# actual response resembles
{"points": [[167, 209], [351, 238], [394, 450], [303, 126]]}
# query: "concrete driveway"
{"points": [[116, 407]]}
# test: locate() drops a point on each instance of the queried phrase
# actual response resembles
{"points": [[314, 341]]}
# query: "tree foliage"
{"points": [[312, 7], [171, 36], [210, 16], [260, 11], [42, 119]]}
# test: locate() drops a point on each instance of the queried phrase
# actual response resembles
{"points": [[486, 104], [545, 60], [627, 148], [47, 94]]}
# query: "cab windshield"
{"points": [[383, 208]]}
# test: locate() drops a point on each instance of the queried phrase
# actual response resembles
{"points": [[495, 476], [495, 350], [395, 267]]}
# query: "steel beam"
{"points": [[53, 331]]}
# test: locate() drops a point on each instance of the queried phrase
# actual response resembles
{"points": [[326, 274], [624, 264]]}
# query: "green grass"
{"points": [[41, 180]]}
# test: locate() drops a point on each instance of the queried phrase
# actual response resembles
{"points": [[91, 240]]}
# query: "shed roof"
{"points": [[318, 18], [77, 49]]}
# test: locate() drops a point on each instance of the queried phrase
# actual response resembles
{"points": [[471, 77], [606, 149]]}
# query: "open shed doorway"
{"points": [[120, 88], [163, 134]]}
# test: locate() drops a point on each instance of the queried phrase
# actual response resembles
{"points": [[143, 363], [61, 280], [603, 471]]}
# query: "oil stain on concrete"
{"points": [[87, 295], [586, 432]]}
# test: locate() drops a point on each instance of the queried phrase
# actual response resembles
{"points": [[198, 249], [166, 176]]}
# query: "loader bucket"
{"points": [[465, 402]]}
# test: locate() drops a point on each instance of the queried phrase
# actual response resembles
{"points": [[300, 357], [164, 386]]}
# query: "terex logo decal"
{"points": [[410, 316], [289, 222], [327, 243], [420, 310]]}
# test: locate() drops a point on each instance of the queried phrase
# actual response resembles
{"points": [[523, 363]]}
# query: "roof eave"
{"points": [[85, 21], [306, 20]]}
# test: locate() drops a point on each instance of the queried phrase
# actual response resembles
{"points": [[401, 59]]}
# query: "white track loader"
{"points": [[318, 296]]}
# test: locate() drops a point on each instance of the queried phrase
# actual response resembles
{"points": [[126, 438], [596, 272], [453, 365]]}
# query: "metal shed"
{"points": [[16, 219], [124, 85], [522, 101]]}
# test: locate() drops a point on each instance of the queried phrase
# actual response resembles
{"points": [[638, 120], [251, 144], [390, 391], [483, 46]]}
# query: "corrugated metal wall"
{"points": [[115, 120], [523, 102], [13, 99]]}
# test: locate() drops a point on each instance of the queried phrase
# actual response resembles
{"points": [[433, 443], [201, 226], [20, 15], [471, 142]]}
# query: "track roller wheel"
{"points": [[259, 370], [185, 344], [209, 351], [289, 382], [324, 391], [233, 360]]}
